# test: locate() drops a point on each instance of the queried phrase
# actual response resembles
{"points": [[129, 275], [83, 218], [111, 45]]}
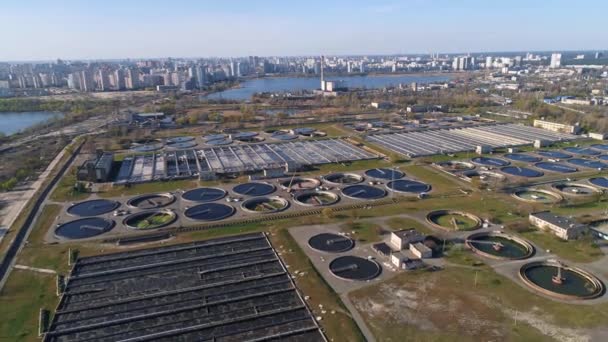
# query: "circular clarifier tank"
{"points": [[93, 207], [343, 178], [84, 228], [487, 161], [582, 151], [572, 189], [204, 194], [331, 243], [254, 189], [556, 167], [453, 220], [554, 154], [521, 171], [151, 201], [305, 131], [602, 182], [147, 147], [500, 246], [209, 212], [601, 147], [484, 176], [265, 205], [244, 136], [408, 186], [182, 145], [454, 165], [178, 140], [316, 198], [537, 196], [522, 157], [592, 164], [299, 183], [603, 157], [283, 135], [363, 192], [384, 173], [354, 268], [558, 280], [150, 219], [219, 142]]}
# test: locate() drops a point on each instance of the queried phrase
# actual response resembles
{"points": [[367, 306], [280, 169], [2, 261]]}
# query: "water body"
{"points": [[282, 84], [13, 122]]}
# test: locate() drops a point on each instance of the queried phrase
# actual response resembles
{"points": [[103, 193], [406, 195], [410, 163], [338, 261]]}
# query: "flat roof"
{"points": [[228, 289], [560, 221]]}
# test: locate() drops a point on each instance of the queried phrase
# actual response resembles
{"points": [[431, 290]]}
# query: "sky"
{"points": [[111, 29]]}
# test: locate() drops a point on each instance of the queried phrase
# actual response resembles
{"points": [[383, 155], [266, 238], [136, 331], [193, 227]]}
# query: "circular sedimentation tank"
{"points": [[331, 243], [178, 140], [244, 136], [554, 154], [316, 198], [363, 192], [521, 172], [522, 157], [204, 194], [454, 165], [283, 136], [215, 136], [501, 246], [151, 201], [602, 147], [556, 167], [603, 157], [582, 151], [84, 228], [305, 131], [343, 178], [384, 173], [484, 176], [300, 183], [209, 212], [182, 145], [93, 207], [602, 182], [254, 189], [265, 205], [150, 219], [453, 220], [354, 268], [487, 161], [219, 142], [574, 189], [592, 164], [537, 196], [558, 280], [408, 186]]}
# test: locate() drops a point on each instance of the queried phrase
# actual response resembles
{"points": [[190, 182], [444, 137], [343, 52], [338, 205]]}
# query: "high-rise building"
{"points": [[201, 76], [103, 80], [132, 79], [119, 79], [489, 62], [556, 60], [362, 67]]}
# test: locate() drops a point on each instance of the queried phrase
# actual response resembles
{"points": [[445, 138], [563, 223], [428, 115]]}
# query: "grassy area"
{"points": [[471, 303], [21, 298], [398, 223], [582, 250], [65, 192], [363, 231], [155, 220]]}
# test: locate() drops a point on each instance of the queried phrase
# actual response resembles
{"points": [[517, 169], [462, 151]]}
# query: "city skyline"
{"points": [[38, 31]]}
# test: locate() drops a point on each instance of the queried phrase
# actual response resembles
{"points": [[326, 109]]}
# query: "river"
{"points": [[282, 84], [13, 122]]}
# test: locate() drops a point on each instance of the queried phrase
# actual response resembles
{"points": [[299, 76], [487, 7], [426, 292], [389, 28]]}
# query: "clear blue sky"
{"points": [[90, 29]]}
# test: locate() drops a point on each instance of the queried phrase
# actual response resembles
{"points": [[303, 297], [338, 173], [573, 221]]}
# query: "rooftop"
{"points": [[227, 289], [560, 221]]}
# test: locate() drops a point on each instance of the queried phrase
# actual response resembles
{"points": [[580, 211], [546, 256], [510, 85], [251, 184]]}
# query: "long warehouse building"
{"points": [[440, 141]]}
